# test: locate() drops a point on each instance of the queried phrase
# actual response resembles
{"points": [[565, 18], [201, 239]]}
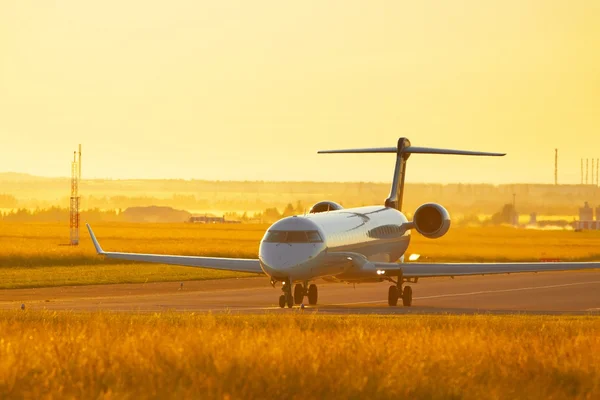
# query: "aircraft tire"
{"points": [[407, 296], [313, 294], [289, 299], [298, 293], [282, 301], [393, 294]]}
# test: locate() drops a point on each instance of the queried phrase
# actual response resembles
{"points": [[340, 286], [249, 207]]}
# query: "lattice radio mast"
{"points": [[75, 198], [587, 170]]}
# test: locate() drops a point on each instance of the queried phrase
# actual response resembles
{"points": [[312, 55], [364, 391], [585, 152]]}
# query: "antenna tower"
{"points": [[75, 199], [587, 169], [592, 181], [582, 171]]}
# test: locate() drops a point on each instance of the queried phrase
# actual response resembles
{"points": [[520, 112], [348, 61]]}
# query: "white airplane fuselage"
{"points": [[295, 248]]}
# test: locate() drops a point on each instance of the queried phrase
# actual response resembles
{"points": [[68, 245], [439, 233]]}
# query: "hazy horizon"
{"points": [[383, 182], [251, 90]]}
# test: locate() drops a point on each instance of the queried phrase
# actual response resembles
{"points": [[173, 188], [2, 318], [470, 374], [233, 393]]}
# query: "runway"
{"points": [[543, 293]]}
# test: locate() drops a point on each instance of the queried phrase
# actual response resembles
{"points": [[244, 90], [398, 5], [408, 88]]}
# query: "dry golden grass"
{"points": [[31, 255], [297, 356], [39, 244]]}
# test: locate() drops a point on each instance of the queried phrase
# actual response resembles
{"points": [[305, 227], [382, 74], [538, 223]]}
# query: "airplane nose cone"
{"points": [[272, 257], [289, 247], [281, 259]]}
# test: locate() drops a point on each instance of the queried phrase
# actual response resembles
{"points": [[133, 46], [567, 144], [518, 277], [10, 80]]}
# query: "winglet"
{"points": [[96, 244]]}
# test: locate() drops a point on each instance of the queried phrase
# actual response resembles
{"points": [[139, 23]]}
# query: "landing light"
{"points": [[380, 272], [414, 257]]}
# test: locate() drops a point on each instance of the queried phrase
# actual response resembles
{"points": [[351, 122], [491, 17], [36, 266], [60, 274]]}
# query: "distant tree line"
{"points": [[142, 214], [58, 214]]}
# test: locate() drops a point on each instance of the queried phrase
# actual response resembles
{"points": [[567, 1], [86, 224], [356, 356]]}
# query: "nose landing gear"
{"points": [[300, 291]]}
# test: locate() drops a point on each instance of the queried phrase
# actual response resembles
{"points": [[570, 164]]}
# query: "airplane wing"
{"points": [[426, 270], [365, 268], [228, 264]]}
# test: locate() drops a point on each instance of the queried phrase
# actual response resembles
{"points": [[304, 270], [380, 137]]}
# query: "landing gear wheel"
{"points": [[407, 296], [282, 301], [313, 294], [393, 294], [289, 300], [298, 293]]}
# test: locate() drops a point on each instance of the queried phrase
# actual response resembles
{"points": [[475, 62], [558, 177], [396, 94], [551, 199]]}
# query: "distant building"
{"points": [[586, 213], [533, 218], [586, 218]]}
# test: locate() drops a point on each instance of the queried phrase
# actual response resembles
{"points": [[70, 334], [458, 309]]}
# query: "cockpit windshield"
{"points": [[293, 237]]}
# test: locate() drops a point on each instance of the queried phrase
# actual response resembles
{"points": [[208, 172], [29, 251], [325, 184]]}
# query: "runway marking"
{"points": [[476, 293]]}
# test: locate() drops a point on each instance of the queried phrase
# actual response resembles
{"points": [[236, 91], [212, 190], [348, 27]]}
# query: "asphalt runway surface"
{"points": [[543, 293]]}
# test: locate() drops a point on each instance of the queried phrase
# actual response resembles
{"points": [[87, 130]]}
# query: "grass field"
{"points": [[297, 356], [31, 255]]}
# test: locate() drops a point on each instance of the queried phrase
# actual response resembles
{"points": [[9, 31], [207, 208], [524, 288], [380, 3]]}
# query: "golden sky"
{"points": [[252, 89]]}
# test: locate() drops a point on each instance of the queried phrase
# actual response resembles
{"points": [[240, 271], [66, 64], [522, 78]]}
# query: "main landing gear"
{"points": [[313, 294], [396, 292], [300, 290]]}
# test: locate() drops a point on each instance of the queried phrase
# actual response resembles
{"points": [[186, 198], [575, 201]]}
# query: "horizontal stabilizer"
{"points": [[368, 150], [412, 150]]}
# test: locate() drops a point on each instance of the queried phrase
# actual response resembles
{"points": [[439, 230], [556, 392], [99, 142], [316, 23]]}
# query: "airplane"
{"points": [[353, 245]]}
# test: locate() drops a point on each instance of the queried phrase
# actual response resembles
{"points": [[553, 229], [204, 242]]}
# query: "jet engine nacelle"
{"points": [[431, 220]]}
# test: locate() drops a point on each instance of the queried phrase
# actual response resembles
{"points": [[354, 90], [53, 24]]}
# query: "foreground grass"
{"points": [[34, 249], [301, 356]]}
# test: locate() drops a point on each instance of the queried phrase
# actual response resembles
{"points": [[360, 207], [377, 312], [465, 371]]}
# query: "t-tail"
{"points": [[403, 150]]}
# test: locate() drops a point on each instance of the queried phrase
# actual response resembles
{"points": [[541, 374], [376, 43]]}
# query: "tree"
{"points": [[505, 216], [271, 214], [289, 210], [300, 209]]}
